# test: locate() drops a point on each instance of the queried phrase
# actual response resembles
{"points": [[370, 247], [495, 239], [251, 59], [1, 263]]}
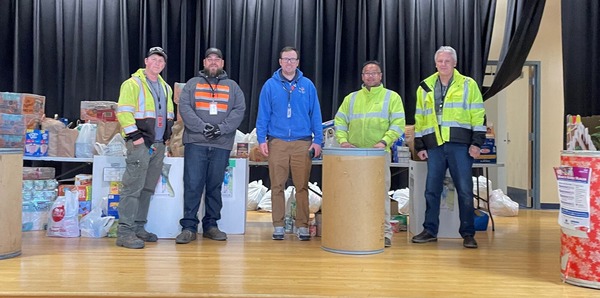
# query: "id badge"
{"points": [[159, 121], [439, 119], [212, 110], [289, 112]]}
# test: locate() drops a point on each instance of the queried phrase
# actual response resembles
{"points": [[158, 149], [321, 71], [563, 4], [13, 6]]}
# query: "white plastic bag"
{"points": [[482, 183], [62, 221], [315, 197], [84, 145], [502, 205], [93, 225], [402, 196], [265, 203], [256, 191]]}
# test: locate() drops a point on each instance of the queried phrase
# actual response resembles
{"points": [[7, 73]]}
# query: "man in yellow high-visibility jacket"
{"points": [[145, 112], [372, 117], [449, 132]]}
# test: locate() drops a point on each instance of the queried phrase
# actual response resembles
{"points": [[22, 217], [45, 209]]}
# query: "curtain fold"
{"points": [[581, 57], [522, 25], [77, 50]]}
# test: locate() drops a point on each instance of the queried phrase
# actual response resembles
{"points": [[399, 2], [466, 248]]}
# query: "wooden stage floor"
{"points": [[521, 258]]}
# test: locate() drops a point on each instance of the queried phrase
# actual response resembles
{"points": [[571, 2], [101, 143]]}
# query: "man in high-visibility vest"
{"points": [[145, 112], [372, 117], [449, 132]]}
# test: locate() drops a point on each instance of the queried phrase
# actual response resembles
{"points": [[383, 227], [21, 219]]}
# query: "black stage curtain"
{"points": [[75, 50], [523, 19], [581, 57]]}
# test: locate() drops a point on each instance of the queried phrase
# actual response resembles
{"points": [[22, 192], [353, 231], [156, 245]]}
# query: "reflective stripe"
{"points": [[144, 114], [396, 129], [341, 127], [477, 106], [129, 129], [141, 97], [125, 109], [465, 94], [384, 113], [456, 124], [481, 128]]}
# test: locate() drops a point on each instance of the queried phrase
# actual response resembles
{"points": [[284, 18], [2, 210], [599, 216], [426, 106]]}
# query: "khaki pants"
{"points": [[283, 157]]}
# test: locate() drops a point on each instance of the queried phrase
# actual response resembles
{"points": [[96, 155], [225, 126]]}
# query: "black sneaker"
{"points": [[424, 237], [387, 242], [215, 234], [469, 242]]}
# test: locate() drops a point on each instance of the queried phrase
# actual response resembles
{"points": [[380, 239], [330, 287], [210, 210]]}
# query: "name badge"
{"points": [[159, 122], [212, 110]]}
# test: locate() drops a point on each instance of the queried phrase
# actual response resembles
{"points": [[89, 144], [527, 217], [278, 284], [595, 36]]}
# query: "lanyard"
{"points": [[155, 92], [289, 91]]}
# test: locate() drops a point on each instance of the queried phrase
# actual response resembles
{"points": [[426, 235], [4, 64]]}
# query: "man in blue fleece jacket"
{"points": [[289, 130]]}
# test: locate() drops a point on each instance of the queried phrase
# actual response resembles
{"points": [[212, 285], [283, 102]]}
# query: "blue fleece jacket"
{"points": [[304, 120]]}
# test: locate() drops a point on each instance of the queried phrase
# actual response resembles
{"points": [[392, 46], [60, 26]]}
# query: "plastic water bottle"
{"points": [[289, 224]]}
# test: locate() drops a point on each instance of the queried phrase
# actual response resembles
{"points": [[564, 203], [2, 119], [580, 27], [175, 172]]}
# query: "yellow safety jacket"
{"points": [[136, 111], [369, 116], [463, 114]]}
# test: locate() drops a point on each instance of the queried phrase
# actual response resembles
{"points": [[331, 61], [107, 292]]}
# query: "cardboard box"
{"points": [[62, 188], [113, 206], [98, 111], [12, 124], [12, 141], [36, 142], [85, 207], [22, 103]]}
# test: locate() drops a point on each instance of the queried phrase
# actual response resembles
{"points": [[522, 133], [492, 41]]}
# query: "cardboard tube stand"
{"points": [[11, 177], [353, 198]]}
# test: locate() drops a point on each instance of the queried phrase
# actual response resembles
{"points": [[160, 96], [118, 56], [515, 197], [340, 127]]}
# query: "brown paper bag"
{"points": [[176, 142], [66, 142], [53, 127], [105, 131]]}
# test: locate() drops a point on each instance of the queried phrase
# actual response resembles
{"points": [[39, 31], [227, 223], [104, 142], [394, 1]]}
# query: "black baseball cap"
{"points": [[157, 51], [213, 51]]}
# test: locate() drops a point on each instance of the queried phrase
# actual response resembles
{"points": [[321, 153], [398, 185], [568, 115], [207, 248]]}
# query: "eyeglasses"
{"points": [[371, 74], [213, 59], [289, 60]]}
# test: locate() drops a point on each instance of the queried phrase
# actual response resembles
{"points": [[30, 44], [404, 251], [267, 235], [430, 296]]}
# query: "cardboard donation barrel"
{"points": [[579, 260], [11, 177], [353, 198]]}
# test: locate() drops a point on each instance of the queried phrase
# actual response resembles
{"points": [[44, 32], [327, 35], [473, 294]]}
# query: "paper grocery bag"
{"points": [[105, 131], [66, 142]]}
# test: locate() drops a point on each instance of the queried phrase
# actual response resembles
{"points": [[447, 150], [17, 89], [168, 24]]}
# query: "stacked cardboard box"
{"points": [[488, 149], [18, 112]]}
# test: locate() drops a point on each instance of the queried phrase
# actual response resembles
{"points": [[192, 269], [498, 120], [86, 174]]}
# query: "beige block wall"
{"points": [[547, 49]]}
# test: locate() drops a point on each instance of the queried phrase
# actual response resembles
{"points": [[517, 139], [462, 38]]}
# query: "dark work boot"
{"points": [[130, 241], [145, 235]]}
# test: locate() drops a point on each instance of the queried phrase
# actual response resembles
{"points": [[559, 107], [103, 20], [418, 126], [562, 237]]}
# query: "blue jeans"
{"points": [[453, 156], [203, 167]]}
